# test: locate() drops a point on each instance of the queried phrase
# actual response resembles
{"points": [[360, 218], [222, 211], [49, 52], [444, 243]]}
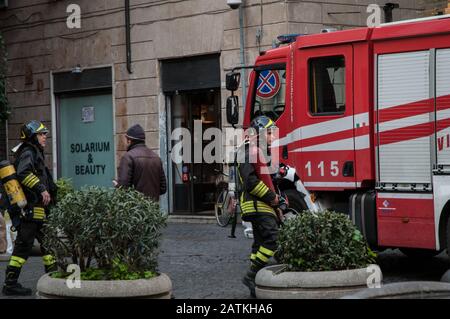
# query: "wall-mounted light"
{"points": [[234, 4]]}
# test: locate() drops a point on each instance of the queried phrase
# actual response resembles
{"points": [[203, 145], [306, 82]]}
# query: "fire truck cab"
{"points": [[364, 118]]}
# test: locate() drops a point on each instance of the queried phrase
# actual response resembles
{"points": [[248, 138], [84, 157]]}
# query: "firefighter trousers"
{"points": [[265, 234], [28, 231]]}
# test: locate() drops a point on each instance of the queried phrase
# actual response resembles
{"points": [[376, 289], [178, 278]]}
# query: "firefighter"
{"points": [[40, 191], [258, 200]]}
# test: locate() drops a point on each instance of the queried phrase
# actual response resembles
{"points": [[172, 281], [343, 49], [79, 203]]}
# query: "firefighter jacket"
{"points": [[35, 178], [255, 196]]}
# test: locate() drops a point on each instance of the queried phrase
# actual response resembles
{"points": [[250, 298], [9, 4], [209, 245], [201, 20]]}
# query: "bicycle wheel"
{"points": [[223, 208]]}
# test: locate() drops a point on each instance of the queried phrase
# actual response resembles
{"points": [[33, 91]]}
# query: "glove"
{"points": [[15, 216]]}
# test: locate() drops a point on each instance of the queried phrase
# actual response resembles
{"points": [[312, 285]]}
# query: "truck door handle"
{"points": [[285, 152], [348, 170]]}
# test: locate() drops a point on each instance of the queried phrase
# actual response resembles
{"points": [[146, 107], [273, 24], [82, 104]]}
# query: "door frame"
{"points": [[168, 150]]}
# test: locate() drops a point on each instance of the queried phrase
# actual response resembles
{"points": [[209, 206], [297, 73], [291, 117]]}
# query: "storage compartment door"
{"points": [[403, 112], [443, 108]]}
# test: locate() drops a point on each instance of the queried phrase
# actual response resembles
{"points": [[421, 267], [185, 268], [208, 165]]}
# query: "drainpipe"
{"points": [[128, 34], [242, 53]]}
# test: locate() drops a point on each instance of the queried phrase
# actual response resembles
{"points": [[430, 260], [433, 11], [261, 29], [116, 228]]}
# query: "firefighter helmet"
{"points": [[262, 122], [32, 128]]}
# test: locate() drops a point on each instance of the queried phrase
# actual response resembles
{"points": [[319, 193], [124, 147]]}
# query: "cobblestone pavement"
{"points": [[203, 262]]}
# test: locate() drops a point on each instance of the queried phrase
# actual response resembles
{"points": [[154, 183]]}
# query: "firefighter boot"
{"points": [[11, 286], [249, 281]]}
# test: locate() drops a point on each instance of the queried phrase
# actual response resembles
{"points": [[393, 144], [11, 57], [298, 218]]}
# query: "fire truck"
{"points": [[364, 119]]}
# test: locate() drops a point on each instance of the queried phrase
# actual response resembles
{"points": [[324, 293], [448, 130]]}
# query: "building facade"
{"points": [[89, 69]]}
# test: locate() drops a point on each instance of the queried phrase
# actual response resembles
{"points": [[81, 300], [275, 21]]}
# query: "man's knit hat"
{"points": [[136, 132]]}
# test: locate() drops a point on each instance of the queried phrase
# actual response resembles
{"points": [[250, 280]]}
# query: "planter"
{"points": [[446, 277], [274, 283], [406, 290], [159, 287]]}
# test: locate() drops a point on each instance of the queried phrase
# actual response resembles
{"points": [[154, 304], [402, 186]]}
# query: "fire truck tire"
{"points": [[296, 200], [419, 253]]}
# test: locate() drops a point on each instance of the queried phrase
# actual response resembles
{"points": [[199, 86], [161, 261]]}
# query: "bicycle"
{"points": [[225, 207]]}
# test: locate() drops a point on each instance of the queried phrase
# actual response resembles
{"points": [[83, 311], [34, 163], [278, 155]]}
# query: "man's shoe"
{"points": [[250, 283], [16, 290]]}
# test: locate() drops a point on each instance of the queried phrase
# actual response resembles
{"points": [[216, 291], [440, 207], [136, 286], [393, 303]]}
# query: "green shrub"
{"points": [[328, 241], [119, 271], [109, 234], [65, 187]]}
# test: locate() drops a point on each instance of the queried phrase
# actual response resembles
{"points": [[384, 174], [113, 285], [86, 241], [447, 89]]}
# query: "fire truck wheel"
{"points": [[296, 200], [419, 253]]}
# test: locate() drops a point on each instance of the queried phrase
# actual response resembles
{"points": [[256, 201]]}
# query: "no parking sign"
{"points": [[268, 84]]}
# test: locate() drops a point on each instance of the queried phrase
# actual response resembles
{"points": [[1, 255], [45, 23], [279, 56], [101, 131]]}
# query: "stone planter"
{"points": [[274, 283], [159, 287], [406, 290], [446, 277]]}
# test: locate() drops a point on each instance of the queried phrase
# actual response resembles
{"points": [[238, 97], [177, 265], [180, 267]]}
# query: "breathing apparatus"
{"points": [[15, 196]]}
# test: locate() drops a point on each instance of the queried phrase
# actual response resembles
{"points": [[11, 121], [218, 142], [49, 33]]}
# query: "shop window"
{"points": [[327, 85]]}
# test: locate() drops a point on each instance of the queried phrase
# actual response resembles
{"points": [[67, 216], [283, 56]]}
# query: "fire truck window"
{"points": [[270, 94], [327, 85]]}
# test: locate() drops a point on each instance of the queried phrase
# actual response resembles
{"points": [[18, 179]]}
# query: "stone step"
{"points": [[192, 219]]}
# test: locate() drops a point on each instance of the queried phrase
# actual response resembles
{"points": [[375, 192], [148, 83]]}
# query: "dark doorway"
{"points": [[196, 192]]}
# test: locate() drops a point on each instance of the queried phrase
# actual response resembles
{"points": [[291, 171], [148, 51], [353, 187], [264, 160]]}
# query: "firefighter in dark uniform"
{"points": [[40, 191], [258, 202]]}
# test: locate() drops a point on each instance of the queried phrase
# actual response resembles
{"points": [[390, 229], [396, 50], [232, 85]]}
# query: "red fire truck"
{"points": [[364, 119]]}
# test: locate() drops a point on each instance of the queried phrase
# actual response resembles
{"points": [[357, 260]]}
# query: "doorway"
{"points": [[194, 181]]}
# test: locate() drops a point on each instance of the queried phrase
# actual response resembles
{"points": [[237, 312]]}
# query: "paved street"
{"points": [[203, 263]]}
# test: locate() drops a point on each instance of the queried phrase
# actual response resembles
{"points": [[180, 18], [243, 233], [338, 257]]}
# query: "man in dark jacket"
{"points": [[40, 191], [140, 167]]}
